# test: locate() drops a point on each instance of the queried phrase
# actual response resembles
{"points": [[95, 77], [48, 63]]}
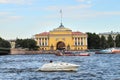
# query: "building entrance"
{"points": [[60, 45]]}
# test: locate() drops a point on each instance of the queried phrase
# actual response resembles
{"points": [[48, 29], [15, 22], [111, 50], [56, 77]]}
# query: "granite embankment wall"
{"points": [[22, 51]]}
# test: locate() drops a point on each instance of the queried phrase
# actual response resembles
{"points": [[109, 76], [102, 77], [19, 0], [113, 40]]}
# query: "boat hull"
{"points": [[51, 67], [108, 51], [73, 54]]}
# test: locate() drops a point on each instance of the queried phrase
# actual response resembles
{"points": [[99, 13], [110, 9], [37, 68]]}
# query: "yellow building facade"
{"points": [[61, 38]]}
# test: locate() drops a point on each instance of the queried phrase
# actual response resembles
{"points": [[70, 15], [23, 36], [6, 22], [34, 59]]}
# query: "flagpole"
{"points": [[61, 15], [61, 25]]}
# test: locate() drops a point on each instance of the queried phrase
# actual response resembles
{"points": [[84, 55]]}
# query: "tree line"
{"points": [[29, 44], [96, 42]]}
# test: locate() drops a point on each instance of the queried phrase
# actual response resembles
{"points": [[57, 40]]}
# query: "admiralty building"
{"points": [[61, 38]]}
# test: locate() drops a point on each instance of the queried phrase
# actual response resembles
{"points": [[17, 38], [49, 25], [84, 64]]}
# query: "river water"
{"points": [[94, 67]]}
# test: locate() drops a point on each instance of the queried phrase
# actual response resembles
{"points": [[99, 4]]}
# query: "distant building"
{"points": [[106, 34], [61, 38], [12, 43]]}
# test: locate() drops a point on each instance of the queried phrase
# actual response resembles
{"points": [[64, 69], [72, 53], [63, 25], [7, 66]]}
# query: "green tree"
{"points": [[89, 40], [93, 41], [31, 44], [117, 40], [26, 43], [96, 41], [103, 42], [110, 41], [4, 43], [18, 43]]}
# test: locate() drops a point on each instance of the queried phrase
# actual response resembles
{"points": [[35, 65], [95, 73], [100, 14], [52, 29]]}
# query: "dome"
{"points": [[61, 28]]}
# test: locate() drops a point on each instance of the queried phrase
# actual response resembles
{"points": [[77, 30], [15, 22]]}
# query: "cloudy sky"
{"points": [[25, 18]]}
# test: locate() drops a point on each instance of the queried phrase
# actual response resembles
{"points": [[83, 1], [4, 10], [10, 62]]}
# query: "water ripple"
{"points": [[94, 67]]}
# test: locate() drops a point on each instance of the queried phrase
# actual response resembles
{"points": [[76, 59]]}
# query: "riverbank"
{"points": [[17, 51], [23, 51], [4, 51]]}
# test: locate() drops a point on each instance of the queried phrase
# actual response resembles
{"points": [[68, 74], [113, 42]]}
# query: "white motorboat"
{"points": [[108, 51], [59, 66]]}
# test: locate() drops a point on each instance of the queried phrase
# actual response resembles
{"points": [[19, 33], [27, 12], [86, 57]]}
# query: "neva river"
{"points": [[94, 67]]}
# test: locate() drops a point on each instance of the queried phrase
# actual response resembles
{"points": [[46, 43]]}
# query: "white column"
{"points": [[86, 40], [80, 40], [38, 42], [77, 40], [41, 41]]}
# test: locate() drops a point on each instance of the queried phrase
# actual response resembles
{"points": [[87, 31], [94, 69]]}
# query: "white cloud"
{"points": [[101, 14], [82, 14], [81, 0], [81, 11], [15, 17], [16, 1], [107, 13], [86, 1], [4, 13], [72, 7], [8, 17], [95, 14], [82, 6]]}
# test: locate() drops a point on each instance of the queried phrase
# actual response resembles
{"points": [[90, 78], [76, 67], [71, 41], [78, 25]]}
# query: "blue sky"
{"points": [[25, 18]]}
